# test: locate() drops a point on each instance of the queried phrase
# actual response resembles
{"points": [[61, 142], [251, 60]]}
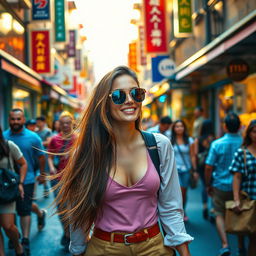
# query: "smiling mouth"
{"points": [[129, 110]]}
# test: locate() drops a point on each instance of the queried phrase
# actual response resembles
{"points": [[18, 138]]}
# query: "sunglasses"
{"points": [[119, 96]]}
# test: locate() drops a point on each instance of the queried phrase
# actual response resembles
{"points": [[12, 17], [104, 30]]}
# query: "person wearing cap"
{"points": [[163, 127], [31, 125]]}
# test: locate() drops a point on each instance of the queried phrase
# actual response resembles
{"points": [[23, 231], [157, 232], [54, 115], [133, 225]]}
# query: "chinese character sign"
{"points": [[182, 18], [132, 56], [40, 51], [60, 28], [142, 52], [40, 9], [72, 43], [155, 23]]}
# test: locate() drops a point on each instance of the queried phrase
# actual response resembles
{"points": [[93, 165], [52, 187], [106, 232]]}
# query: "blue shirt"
{"points": [[220, 157], [155, 129], [26, 140]]}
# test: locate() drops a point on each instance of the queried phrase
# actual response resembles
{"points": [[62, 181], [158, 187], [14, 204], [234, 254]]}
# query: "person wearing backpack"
{"points": [[10, 153], [110, 179]]}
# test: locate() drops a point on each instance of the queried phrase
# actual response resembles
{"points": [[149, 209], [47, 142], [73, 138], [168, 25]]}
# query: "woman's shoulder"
{"points": [[12, 146]]}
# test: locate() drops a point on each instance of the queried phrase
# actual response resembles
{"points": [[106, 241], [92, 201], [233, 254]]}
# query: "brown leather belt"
{"points": [[128, 238]]}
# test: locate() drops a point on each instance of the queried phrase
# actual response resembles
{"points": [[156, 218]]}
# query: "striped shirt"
{"points": [[248, 173]]}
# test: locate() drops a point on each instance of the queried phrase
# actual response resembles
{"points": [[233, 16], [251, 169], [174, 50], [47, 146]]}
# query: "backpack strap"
{"points": [[151, 145]]}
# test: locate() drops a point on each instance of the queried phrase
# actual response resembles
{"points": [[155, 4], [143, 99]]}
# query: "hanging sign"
{"points": [[60, 27], [40, 9], [72, 43], [40, 51], [132, 56], [78, 64], [155, 24], [142, 51], [238, 70], [162, 67], [182, 18]]}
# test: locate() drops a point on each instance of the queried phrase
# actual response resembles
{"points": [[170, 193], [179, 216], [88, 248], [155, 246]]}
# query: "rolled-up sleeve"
{"points": [[77, 241], [170, 198]]}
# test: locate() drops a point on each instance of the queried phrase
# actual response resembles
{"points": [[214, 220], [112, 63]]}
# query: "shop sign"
{"points": [[67, 78], [40, 9], [40, 51], [132, 56], [142, 51], [72, 43], [78, 65], [60, 27], [238, 70], [182, 18], [162, 67], [155, 23]]}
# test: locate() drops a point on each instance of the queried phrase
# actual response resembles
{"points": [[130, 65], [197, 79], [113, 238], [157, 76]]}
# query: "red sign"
{"points": [[40, 51], [155, 23]]}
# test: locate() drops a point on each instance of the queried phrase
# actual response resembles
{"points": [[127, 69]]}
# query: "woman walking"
{"points": [[244, 168], [185, 157], [110, 180], [10, 153]]}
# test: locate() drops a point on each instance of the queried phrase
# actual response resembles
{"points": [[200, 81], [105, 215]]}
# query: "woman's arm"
{"points": [[183, 249], [237, 179], [192, 152], [23, 171]]}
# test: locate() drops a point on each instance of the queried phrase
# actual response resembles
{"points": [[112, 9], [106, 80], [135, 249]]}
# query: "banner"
{"points": [[78, 64], [155, 23], [60, 27], [142, 51], [182, 18], [72, 44], [132, 56], [40, 9], [40, 51]]}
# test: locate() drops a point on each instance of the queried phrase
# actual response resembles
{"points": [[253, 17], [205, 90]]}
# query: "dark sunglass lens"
{"points": [[118, 97], [138, 94]]}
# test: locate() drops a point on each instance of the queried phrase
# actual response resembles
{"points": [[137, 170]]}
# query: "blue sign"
{"points": [[162, 67], [40, 9]]}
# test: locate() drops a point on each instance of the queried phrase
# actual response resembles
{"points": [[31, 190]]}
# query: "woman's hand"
{"points": [[237, 206], [21, 189]]}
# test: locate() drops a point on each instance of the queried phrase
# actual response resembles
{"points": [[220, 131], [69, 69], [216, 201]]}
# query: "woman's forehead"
{"points": [[124, 82]]}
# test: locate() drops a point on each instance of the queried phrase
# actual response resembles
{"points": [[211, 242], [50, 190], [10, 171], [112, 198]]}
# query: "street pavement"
{"points": [[206, 242]]}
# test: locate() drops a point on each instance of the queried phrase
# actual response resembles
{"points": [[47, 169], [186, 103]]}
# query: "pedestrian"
{"points": [[243, 167], [10, 153], [31, 125], [185, 157], [199, 118], [59, 144], [163, 127], [55, 127], [218, 179], [31, 147], [203, 143], [110, 179]]}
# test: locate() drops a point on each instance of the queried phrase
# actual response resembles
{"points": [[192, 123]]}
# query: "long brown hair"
{"points": [[247, 139], [84, 180]]}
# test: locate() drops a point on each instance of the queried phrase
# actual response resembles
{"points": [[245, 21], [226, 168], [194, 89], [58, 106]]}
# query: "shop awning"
{"points": [[20, 70], [242, 33]]}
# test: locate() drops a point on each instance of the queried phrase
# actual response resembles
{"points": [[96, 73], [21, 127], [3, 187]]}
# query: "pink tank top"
{"points": [[132, 208]]}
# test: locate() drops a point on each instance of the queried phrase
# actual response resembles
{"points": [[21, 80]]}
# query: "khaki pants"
{"points": [[152, 247]]}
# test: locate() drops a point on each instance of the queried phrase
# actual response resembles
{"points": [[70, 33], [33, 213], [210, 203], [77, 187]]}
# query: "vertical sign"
{"points": [[72, 43], [142, 51], [78, 65], [60, 27], [40, 47], [40, 9], [156, 37], [132, 56], [182, 18]]}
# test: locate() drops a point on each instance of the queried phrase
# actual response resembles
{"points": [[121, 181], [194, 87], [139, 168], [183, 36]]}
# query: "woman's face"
{"points": [[130, 110], [253, 134], [179, 128]]}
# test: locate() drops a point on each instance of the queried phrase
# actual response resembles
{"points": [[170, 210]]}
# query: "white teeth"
{"points": [[129, 109]]}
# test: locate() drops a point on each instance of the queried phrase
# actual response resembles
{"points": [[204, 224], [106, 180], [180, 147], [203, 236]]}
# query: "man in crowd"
{"points": [[198, 114], [29, 143], [163, 127], [61, 143], [218, 179]]}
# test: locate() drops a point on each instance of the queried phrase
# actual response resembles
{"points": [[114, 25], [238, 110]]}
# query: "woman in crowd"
{"points": [[55, 127], [204, 141], [244, 168], [185, 157], [110, 180], [10, 153]]}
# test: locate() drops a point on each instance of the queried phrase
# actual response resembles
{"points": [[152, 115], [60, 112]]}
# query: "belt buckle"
{"points": [[125, 238]]}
